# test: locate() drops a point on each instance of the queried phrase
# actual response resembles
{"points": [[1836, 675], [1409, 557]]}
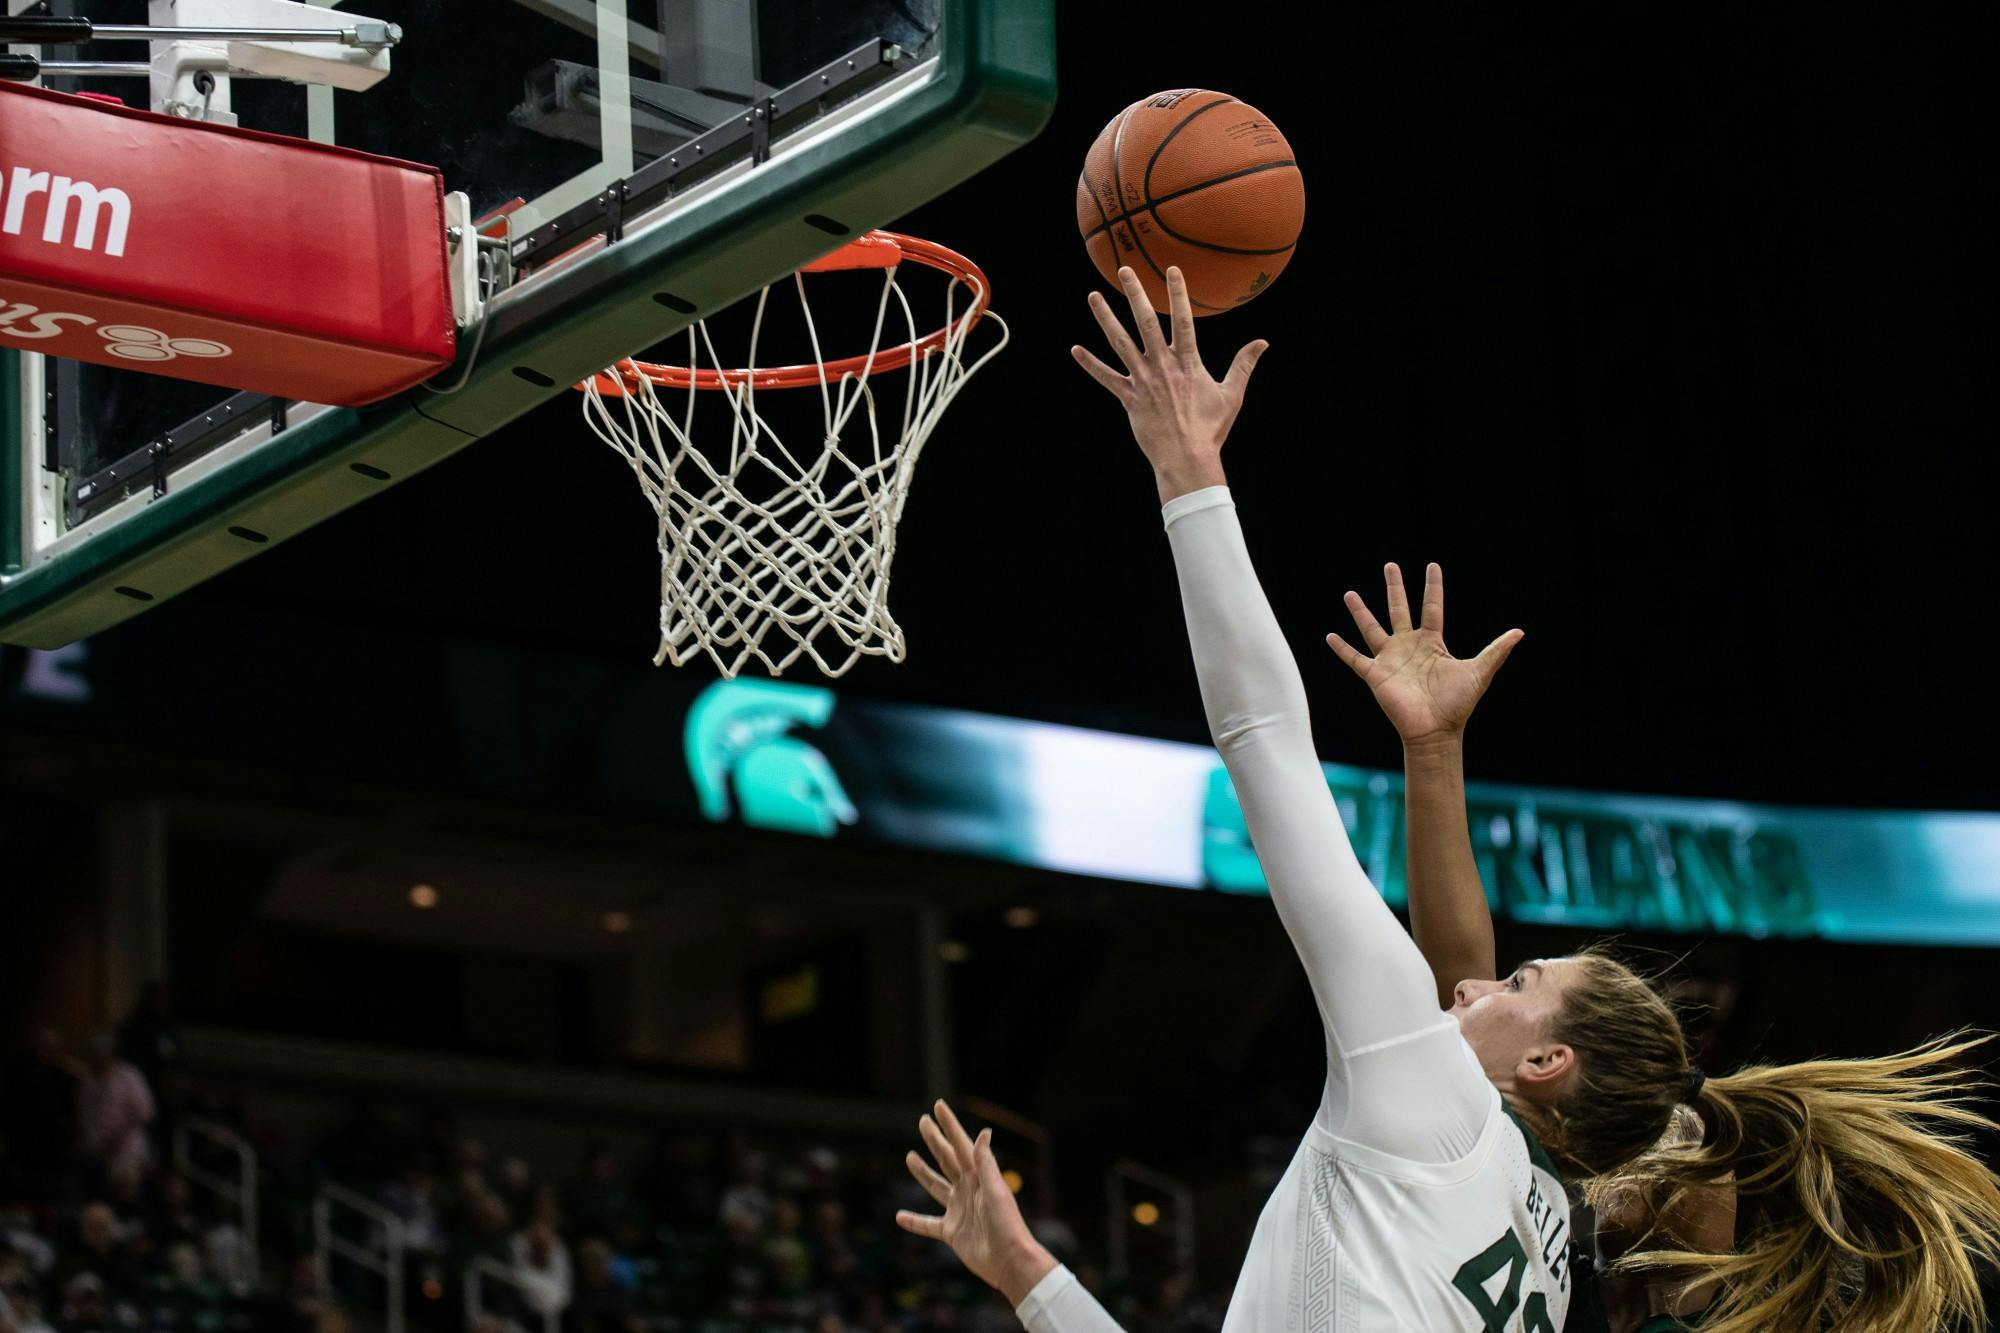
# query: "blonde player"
{"points": [[1415, 1200], [1421, 1195]]}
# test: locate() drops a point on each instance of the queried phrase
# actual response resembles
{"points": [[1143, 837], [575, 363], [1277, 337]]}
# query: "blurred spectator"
{"points": [[820, 1167], [485, 1235], [412, 1197], [184, 1269], [599, 1201], [466, 1188], [168, 1214], [470, 1156], [99, 1250], [18, 1239], [788, 1261], [13, 1267], [837, 1262], [737, 1285], [86, 1307], [305, 1298], [188, 1295], [545, 1204], [127, 1197], [541, 1268], [226, 1251], [148, 1039], [601, 1304], [20, 1312], [517, 1186], [746, 1199], [626, 1243], [113, 1108]]}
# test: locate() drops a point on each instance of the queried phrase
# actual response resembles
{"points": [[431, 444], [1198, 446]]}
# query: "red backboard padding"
{"points": [[216, 254]]}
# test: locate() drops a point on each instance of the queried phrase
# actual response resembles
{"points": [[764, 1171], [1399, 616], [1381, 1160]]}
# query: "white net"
{"points": [[773, 551]]}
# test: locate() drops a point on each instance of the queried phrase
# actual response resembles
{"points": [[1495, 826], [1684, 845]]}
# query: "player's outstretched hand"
{"points": [[981, 1221], [1427, 693], [1179, 414]]}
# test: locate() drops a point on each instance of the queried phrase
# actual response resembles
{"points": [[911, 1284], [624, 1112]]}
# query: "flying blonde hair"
{"points": [[1859, 1204]]}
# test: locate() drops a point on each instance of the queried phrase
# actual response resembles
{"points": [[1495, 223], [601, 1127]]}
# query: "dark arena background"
{"points": [[413, 892]]}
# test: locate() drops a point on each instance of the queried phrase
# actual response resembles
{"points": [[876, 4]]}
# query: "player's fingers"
{"points": [[934, 1184], [1371, 629], [940, 1146], [1399, 598], [933, 1227], [1182, 310], [1238, 378], [1433, 614], [961, 1142], [1357, 661], [1144, 317], [1494, 655], [988, 1166], [1103, 374], [1114, 332], [983, 1158]]}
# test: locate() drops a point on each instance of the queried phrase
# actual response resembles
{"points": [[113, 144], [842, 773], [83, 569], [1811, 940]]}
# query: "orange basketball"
{"points": [[1198, 179]]}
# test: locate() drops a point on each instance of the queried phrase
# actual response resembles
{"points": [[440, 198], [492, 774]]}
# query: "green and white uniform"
{"points": [[1415, 1201]]}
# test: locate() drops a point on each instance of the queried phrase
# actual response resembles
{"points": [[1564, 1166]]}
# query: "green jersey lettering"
{"points": [[1509, 1253]]}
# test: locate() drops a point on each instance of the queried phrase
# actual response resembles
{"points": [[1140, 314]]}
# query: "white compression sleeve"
{"points": [[1400, 1078], [1060, 1304]]}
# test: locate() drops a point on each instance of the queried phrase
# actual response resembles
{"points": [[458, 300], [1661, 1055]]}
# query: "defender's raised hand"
{"points": [[1425, 691], [981, 1221], [1180, 414]]}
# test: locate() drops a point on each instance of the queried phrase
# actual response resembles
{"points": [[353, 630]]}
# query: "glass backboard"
{"points": [[645, 162]]}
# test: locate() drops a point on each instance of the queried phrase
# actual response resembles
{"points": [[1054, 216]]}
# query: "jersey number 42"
{"points": [[1476, 1273]]}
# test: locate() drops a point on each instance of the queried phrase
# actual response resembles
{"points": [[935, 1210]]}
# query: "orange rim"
{"points": [[875, 249]]}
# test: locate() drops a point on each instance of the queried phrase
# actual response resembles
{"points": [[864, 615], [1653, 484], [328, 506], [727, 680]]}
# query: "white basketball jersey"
{"points": [[1354, 1241]]}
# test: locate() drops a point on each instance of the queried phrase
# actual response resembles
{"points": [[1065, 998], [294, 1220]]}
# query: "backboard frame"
{"points": [[655, 257]]}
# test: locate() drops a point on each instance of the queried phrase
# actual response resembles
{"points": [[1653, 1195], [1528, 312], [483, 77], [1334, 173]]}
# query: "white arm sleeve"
{"points": [[1400, 1078], [1059, 1304]]}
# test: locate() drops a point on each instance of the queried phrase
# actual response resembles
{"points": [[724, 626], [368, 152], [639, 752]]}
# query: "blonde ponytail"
{"points": [[1859, 1204]]}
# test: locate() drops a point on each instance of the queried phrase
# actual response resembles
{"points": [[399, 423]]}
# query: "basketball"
{"points": [[1194, 178]]}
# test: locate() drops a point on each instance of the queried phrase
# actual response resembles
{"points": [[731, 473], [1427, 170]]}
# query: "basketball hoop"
{"points": [[773, 553]]}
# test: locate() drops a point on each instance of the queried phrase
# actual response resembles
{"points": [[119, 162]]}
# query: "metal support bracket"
{"points": [[761, 117], [461, 234], [614, 212]]}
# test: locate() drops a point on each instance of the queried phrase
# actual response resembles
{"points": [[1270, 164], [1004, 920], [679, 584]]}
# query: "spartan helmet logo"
{"points": [[136, 342]]}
